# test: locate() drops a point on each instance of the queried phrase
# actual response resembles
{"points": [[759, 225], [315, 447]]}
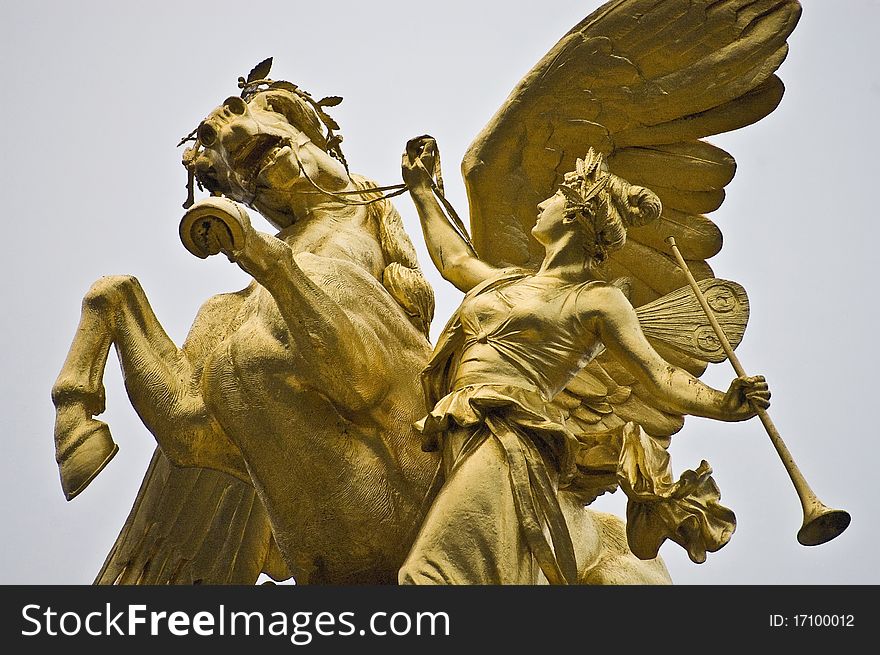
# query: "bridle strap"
{"points": [[397, 188], [342, 196], [386, 192], [394, 190]]}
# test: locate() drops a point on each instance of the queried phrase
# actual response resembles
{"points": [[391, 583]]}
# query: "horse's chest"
{"points": [[258, 318], [255, 344]]}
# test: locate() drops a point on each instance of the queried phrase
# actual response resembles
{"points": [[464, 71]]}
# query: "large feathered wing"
{"points": [[192, 526], [642, 81]]}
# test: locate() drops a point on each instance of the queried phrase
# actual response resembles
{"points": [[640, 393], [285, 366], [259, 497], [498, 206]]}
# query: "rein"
{"points": [[395, 190]]}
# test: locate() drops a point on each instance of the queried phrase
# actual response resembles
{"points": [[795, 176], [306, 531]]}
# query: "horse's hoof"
{"points": [[214, 225], [86, 450]]}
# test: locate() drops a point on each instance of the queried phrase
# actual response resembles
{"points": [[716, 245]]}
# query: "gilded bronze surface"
{"points": [[291, 424]]}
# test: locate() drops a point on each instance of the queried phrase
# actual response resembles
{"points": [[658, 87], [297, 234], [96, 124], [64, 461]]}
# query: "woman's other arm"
{"points": [[618, 328]]}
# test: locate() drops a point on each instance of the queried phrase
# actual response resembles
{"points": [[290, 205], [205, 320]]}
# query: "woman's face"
{"points": [[550, 224]]}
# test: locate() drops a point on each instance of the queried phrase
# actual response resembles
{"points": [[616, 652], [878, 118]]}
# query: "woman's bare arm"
{"points": [[618, 328], [453, 257]]}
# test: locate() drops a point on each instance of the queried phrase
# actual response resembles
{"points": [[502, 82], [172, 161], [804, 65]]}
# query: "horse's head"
{"points": [[275, 149], [252, 149]]}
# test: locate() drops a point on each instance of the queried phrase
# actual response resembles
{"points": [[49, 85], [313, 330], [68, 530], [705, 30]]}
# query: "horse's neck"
{"points": [[327, 224], [346, 232]]}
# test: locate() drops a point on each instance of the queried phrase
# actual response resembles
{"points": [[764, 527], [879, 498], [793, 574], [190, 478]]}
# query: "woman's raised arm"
{"points": [[450, 253]]}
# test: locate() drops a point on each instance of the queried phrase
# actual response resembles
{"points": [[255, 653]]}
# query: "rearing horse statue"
{"points": [[304, 386]]}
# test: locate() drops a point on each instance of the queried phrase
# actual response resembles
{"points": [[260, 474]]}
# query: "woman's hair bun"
{"points": [[642, 206]]}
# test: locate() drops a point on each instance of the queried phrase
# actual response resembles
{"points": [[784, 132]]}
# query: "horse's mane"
{"points": [[402, 276]]}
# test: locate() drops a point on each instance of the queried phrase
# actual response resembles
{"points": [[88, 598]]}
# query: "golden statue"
{"points": [[286, 422]]}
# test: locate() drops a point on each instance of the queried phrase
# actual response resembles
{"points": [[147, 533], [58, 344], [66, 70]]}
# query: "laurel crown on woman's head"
{"points": [[605, 205], [585, 182], [582, 188]]}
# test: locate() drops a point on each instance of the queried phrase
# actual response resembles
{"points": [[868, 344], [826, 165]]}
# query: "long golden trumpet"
{"points": [[821, 523]]}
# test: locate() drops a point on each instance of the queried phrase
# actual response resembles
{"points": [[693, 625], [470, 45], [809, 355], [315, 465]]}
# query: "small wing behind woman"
{"points": [[605, 396]]}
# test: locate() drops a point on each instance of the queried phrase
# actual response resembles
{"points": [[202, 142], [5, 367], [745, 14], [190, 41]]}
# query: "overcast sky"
{"points": [[97, 94]]}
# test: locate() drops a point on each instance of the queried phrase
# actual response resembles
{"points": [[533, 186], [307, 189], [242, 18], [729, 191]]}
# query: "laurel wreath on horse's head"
{"points": [[256, 82]]}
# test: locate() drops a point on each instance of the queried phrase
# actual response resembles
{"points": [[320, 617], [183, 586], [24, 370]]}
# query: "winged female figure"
{"points": [[637, 85], [518, 339], [292, 403]]}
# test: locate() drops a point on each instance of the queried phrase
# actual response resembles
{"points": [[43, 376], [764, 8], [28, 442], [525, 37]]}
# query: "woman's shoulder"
{"points": [[601, 297], [501, 275], [619, 286]]}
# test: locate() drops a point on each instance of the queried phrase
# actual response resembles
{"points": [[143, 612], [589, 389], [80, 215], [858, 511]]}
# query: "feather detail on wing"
{"points": [[641, 81], [192, 526]]}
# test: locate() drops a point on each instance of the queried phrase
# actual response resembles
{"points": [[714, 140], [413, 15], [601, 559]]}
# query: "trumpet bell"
{"points": [[823, 525]]}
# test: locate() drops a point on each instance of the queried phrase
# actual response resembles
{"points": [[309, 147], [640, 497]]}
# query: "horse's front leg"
{"points": [[158, 377], [322, 332]]}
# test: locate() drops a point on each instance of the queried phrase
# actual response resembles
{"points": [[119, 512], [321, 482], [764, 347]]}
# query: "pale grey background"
{"points": [[96, 94]]}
